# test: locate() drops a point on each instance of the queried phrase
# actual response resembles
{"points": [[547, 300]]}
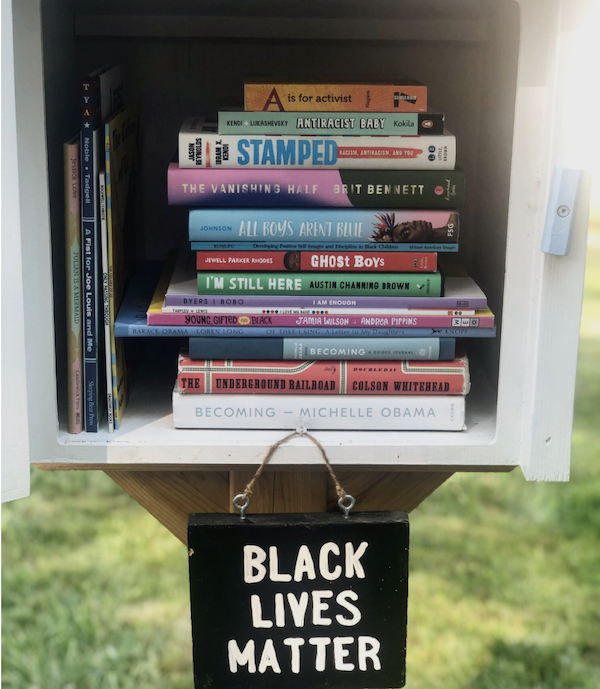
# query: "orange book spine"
{"points": [[264, 97]]}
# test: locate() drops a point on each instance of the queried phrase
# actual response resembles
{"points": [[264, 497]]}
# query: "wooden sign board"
{"points": [[299, 600]]}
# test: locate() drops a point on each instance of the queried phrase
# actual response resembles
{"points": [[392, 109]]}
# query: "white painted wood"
{"points": [[37, 277], [15, 433], [549, 427], [494, 68]]}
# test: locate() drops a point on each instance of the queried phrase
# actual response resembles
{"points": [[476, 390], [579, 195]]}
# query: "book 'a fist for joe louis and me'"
{"points": [[319, 286]]}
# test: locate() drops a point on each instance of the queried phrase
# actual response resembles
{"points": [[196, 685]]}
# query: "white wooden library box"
{"points": [[499, 69]]}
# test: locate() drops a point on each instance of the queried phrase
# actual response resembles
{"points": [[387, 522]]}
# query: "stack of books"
{"points": [[315, 235], [97, 260]]}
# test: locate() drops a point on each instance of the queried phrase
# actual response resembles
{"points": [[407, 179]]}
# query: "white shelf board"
{"points": [[148, 436]]}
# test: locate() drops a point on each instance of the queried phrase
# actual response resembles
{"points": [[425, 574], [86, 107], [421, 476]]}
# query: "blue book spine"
{"points": [[323, 225], [396, 349], [324, 246], [140, 329], [90, 133]]}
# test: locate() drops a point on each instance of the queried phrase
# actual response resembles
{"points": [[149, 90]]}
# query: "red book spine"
{"points": [[324, 377], [337, 261]]}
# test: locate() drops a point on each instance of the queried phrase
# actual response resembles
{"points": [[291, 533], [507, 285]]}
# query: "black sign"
{"points": [[299, 600]]}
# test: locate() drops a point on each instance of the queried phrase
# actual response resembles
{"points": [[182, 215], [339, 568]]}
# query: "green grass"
{"points": [[504, 575]]}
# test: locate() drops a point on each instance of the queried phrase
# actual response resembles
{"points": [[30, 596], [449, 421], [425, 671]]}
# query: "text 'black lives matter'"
{"points": [[299, 600]]}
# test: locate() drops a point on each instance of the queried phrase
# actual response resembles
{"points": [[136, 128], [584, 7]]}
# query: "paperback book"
{"points": [[201, 147], [121, 150], [481, 319], [101, 94], [320, 412], [336, 377], [364, 188], [71, 159]]}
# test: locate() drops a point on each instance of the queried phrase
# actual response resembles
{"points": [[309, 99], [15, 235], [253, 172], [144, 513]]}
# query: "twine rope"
{"points": [[302, 433]]}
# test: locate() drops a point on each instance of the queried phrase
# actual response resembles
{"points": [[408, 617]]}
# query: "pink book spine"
{"points": [[324, 377], [319, 320], [73, 264]]}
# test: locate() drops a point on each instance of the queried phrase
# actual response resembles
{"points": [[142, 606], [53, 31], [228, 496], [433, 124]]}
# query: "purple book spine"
{"points": [[329, 302]]}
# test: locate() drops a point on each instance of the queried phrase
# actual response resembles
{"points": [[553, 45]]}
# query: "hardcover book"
{"points": [[309, 188], [336, 377], [316, 225], [337, 261], [460, 292], [321, 284], [401, 96], [326, 123], [320, 412], [148, 288], [324, 349], [200, 146]]}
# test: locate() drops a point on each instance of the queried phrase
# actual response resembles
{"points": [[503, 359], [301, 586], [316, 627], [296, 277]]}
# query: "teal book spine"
{"points": [[321, 284]]}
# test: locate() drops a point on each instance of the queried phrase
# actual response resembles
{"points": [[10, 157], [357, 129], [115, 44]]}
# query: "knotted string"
{"points": [[302, 433]]}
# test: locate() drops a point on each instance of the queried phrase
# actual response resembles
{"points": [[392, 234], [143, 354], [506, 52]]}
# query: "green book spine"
{"points": [[321, 284]]}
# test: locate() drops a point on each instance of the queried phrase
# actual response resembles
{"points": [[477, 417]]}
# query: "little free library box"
{"points": [[299, 600]]}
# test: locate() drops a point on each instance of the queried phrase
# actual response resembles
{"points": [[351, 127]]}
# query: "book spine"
{"points": [[337, 261], [320, 412], [317, 321], [389, 247], [445, 302], [392, 284], [73, 262], [315, 188], [336, 377], [264, 97], [324, 123], [145, 330], [324, 349], [342, 226], [112, 376], [257, 310], [316, 152], [89, 198], [105, 301]]}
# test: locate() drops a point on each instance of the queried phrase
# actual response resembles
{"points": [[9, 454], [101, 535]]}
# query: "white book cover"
{"points": [[319, 412], [200, 146]]}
